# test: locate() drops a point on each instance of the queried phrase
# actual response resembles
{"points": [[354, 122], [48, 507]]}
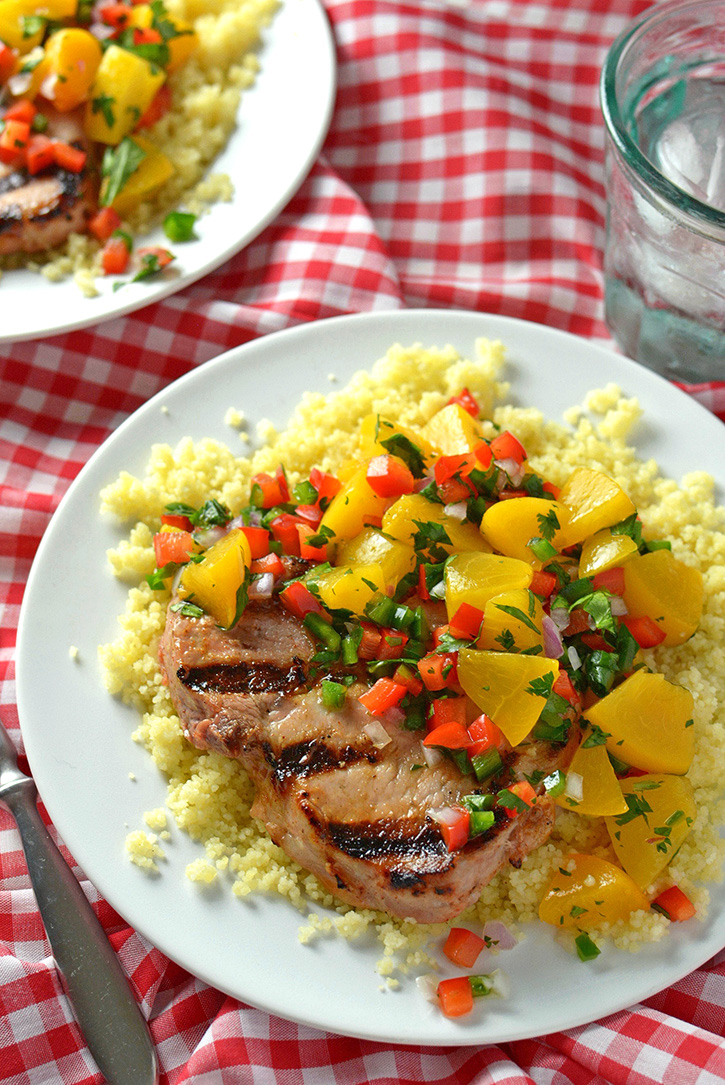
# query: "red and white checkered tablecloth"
{"points": [[463, 169]]}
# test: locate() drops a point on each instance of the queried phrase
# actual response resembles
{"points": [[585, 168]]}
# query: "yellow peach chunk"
{"points": [[453, 431], [475, 578], [659, 586], [510, 688], [353, 507], [660, 813], [372, 547], [402, 521], [648, 723], [586, 892], [603, 550], [600, 788], [512, 620], [594, 501], [345, 588], [510, 525], [214, 582]]}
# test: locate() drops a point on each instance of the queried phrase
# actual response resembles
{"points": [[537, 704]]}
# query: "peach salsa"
{"points": [[437, 662]]}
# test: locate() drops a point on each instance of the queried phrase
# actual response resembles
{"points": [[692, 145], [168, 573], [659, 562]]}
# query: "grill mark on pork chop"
{"points": [[310, 758], [253, 677]]}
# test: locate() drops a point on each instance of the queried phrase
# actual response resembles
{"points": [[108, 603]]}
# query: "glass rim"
{"points": [[644, 169]]}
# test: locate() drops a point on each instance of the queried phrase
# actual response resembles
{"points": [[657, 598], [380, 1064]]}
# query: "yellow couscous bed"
{"points": [[209, 796], [206, 92]]}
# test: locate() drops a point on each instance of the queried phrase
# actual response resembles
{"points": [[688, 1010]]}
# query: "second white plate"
{"points": [[283, 120]]}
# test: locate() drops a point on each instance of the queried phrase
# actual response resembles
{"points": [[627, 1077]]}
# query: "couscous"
{"points": [[210, 796]]}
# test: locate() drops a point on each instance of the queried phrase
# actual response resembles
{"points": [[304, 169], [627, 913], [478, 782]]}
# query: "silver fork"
{"points": [[109, 1018]]}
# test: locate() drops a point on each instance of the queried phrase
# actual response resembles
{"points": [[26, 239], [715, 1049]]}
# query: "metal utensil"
{"points": [[111, 1022]]}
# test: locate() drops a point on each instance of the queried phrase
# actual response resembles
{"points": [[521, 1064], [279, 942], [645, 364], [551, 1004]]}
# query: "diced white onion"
{"points": [[177, 578], [574, 657], [428, 986], [513, 470], [263, 587], [574, 786], [560, 617], [432, 756], [394, 716], [500, 984], [553, 644], [457, 511], [47, 87], [19, 83], [101, 31], [438, 591], [445, 815], [210, 535], [377, 734], [618, 606], [499, 933]]}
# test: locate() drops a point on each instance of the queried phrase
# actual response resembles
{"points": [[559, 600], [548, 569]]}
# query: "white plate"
{"points": [[77, 738], [283, 119]]}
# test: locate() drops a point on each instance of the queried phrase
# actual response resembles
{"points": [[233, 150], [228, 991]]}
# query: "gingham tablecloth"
{"points": [[463, 169]]}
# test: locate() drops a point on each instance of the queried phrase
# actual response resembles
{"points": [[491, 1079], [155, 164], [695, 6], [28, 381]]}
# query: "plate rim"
{"points": [[413, 319]]}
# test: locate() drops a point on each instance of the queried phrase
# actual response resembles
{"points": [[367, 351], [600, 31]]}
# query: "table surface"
{"points": [[463, 169]]}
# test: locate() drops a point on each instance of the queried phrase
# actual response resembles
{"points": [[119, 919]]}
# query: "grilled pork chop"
{"points": [[39, 212], [355, 814]]}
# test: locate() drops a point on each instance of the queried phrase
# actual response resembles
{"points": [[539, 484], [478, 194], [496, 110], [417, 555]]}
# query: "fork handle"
{"points": [[111, 1022]]}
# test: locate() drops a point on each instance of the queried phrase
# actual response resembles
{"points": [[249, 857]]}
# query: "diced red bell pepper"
{"points": [[578, 623], [163, 256], [675, 904], [146, 35], [270, 563], [14, 141], [543, 583], [439, 633], [299, 601], [383, 695], [307, 550], [455, 825], [370, 642], [506, 447], [445, 710], [438, 671], [484, 735], [405, 677], [449, 736], [284, 529], [422, 585], [565, 688], [447, 467], [455, 996], [611, 580], [68, 157], [22, 110], [258, 539], [483, 455], [550, 488], [115, 15], [270, 490], [40, 154], [311, 514], [463, 947], [8, 60], [595, 641], [644, 630], [183, 523], [388, 476], [455, 490], [115, 256], [466, 400], [524, 791], [327, 486], [159, 107], [508, 495], [172, 546], [103, 223], [466, 622], [392, 644]]}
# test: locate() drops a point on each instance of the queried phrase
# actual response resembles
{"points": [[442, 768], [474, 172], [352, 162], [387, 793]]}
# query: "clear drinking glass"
{"points": [[663, 100]]}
